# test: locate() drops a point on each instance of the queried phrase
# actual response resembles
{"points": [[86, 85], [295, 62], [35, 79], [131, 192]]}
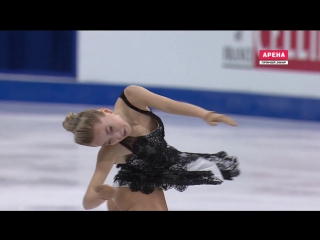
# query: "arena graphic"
{"points": [[303, 47]]}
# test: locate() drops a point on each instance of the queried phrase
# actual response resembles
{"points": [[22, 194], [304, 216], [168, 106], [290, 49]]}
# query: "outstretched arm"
{"points": [[95, 194], [142, 97]]}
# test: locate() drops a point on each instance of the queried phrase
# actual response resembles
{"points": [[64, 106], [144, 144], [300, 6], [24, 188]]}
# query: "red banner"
{"points": [[303, 49]]}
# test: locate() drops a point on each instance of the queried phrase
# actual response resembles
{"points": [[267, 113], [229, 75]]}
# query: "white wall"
{"points": [[185, 59]]}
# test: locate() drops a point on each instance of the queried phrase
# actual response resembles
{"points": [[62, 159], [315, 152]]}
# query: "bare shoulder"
{"points": [[136, 95], [133, 91], [143, 98], [131, 88]]}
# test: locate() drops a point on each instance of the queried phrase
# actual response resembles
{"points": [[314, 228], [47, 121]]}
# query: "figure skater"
{"points": [[133, 137]]}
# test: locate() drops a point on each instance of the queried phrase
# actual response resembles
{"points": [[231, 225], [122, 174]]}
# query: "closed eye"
{"points": [[109, 130]]}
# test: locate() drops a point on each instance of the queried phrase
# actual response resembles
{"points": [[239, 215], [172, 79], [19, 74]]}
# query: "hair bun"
{"points": [[71, 121]]}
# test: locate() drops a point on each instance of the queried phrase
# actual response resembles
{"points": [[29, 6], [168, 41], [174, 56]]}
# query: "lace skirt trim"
{"points": [[147, 181]]}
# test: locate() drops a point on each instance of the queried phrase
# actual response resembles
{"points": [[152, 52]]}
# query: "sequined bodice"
{"points": [[149, 151], [156, 165]]}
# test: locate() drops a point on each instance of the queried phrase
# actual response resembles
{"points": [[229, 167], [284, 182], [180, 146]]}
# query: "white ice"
{"points": [[41, 168]]}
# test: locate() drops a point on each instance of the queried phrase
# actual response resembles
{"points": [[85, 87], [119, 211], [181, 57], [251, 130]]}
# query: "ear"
{"points": [[106, 110]]}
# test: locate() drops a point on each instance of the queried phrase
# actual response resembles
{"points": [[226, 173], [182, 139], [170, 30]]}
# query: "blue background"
{"points": [[54, 53]]}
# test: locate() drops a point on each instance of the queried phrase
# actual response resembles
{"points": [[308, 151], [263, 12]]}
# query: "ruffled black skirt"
{"points": [[179, 178]]}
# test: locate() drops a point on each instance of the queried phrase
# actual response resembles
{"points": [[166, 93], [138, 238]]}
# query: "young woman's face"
{"points": [[111, 130]]}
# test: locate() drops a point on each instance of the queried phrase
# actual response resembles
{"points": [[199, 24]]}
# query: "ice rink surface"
{"points": [[41, 168]]}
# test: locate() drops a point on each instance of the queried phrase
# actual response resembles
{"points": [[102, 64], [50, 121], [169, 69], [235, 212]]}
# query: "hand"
{"points": [[213, 119], [105, 191]]}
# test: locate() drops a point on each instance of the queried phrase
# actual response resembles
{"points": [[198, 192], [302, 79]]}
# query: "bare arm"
{"points": [[143, 97], [105, 162]]}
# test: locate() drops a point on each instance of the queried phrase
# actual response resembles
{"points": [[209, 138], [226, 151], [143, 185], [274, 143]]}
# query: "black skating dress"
{"points": [[156, 165]]}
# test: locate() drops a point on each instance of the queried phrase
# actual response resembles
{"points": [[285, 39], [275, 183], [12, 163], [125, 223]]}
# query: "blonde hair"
{"points": [[81, 125]]}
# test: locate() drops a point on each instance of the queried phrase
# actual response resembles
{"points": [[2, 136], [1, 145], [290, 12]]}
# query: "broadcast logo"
{"points": [[273, 57]]}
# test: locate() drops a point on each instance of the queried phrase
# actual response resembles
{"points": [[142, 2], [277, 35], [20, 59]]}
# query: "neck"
{"points": [[126, 119]]}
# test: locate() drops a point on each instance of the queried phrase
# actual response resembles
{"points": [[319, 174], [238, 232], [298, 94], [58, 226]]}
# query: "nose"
{"points": [[119, 135], [116, 136]]}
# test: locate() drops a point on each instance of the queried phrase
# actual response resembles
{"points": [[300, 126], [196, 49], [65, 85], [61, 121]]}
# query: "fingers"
{"points": [[214, 119], [105, 192], [231, 122], [225, 120], [213, 123]]}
